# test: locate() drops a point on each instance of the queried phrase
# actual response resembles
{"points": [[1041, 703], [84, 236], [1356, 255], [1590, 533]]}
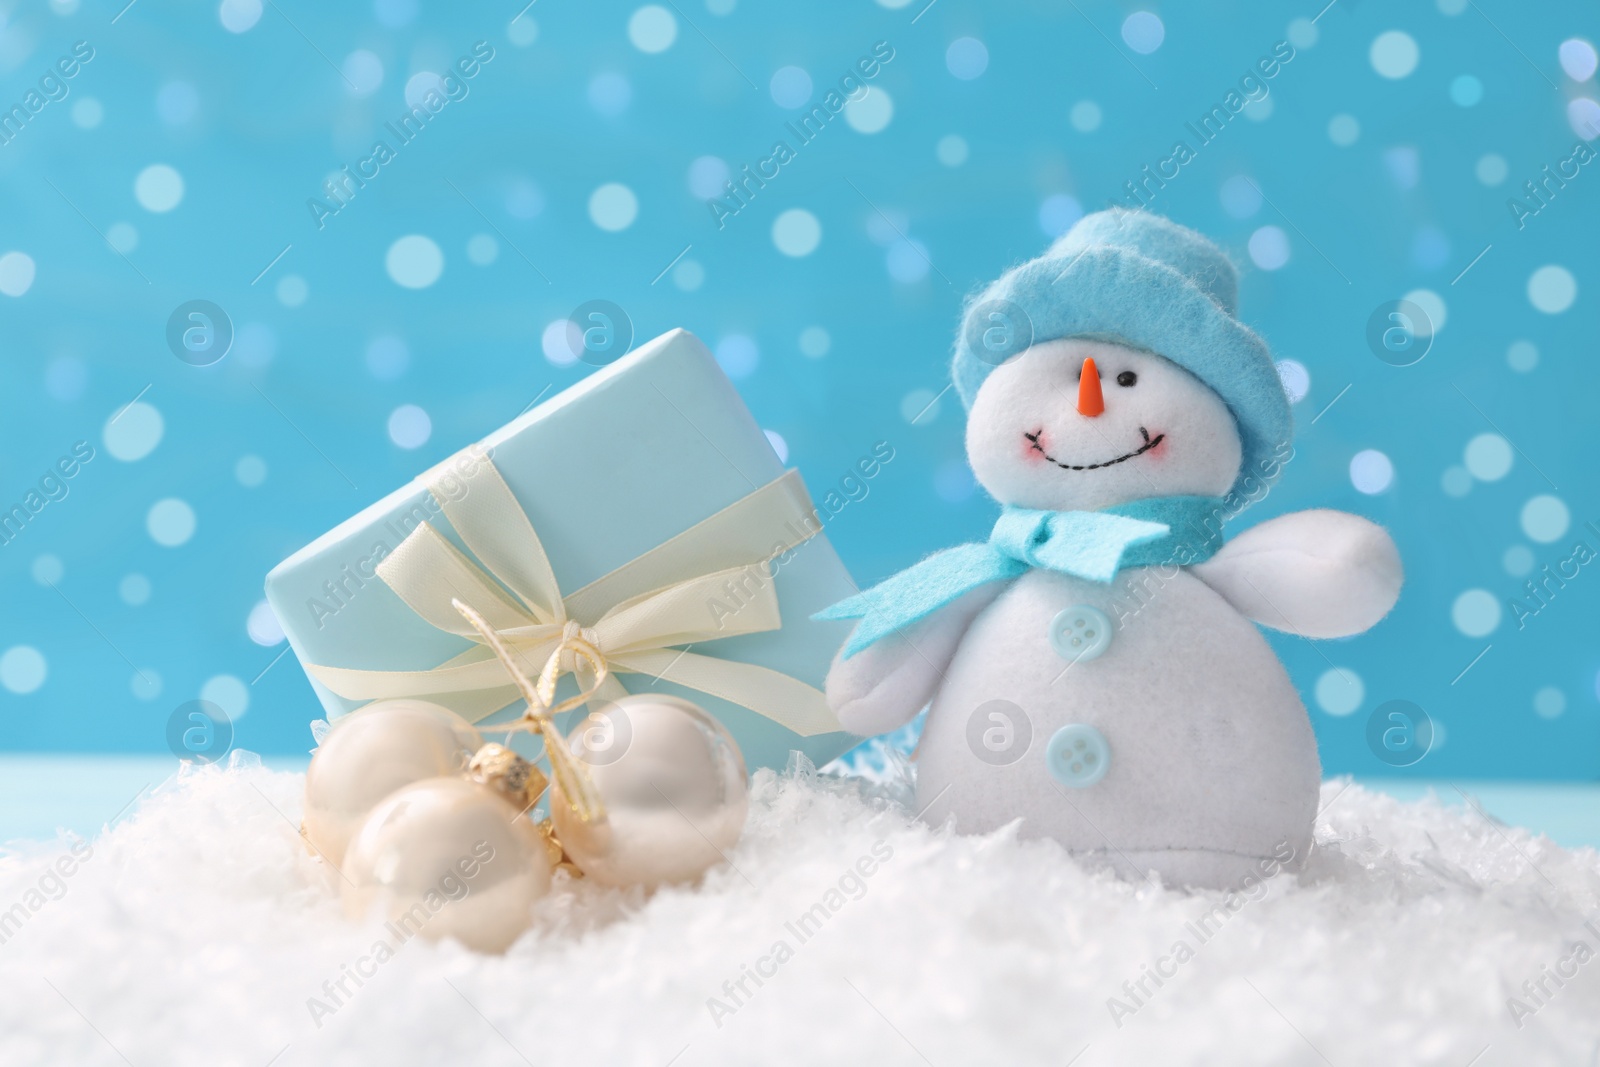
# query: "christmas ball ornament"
{"points": [[372, 752], [448, 857], [672, 786]]}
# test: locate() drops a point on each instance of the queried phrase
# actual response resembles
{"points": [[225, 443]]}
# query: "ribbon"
{"points": [[1092, 545], [637, 615]]}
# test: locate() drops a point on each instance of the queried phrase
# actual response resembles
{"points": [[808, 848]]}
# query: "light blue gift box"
{"points": [[635, 454]]}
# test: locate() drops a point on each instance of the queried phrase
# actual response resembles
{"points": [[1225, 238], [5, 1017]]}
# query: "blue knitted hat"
{"points": [[1143, 281]]}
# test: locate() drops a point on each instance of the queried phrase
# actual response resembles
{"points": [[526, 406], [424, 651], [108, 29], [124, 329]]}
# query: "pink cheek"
{"points": [[1160, 451], [1032, 454]]}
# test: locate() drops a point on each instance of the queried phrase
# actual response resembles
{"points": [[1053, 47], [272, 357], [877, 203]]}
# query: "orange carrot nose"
{"points": [[1090, 400]]}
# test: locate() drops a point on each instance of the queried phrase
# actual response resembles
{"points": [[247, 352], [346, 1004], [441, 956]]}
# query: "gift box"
{"points": [[643, 509]]}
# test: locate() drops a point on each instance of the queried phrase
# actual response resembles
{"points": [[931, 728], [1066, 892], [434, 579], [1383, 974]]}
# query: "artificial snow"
{"points": [[198, 930]]}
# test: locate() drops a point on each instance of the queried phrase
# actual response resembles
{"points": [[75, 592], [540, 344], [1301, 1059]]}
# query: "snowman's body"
{"points": [[1203, 783]]}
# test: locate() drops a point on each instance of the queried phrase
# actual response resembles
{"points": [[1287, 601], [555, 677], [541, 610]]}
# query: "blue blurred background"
{"points": [[186, 158]]}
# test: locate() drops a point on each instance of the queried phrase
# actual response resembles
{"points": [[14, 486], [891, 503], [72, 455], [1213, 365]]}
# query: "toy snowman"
{"points": [[1093, 668]]}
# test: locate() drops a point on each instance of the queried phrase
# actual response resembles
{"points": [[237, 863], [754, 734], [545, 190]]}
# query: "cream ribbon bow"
{"points": [[675, 594]]}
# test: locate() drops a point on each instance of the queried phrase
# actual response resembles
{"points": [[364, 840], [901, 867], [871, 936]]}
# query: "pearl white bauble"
{"points": [[447, 857], [370, 753], [673, 784]]}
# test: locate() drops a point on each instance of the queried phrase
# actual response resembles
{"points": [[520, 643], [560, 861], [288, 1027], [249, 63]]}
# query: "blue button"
{"points": [[1080, 633], [1078, 755]]}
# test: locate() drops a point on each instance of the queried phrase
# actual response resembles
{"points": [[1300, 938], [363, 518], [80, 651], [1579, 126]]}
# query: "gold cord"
{"points": [[570, 776]]}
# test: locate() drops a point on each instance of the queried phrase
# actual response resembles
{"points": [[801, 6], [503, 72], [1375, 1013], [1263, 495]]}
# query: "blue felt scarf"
{"points": [[1092, 545]]}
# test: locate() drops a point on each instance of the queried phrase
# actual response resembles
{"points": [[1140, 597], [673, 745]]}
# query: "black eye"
{"points": [[1127, 378]]}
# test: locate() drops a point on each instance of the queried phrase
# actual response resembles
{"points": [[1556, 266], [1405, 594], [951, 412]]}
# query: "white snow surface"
{"points": [[199, 929]]}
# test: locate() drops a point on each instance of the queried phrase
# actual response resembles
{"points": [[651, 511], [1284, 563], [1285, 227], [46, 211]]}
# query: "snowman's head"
{"points": [[1043, 435]]}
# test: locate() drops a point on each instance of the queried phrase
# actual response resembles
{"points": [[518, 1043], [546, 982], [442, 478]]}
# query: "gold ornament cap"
{"points": [[513, 777]]}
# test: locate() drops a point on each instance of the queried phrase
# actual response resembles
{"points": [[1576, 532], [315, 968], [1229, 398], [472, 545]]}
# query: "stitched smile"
{"points": [[1149, 443]]}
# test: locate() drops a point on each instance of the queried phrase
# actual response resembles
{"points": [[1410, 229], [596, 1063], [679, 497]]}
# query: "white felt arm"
{"points": [[1314, 573], [885, 684]]}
